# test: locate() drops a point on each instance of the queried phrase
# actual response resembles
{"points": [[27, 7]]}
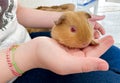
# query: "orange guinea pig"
{"points": [[73, 30]]}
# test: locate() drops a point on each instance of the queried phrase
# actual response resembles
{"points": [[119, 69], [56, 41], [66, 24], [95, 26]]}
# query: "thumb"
{"points": [[94, 64], [84, 64]]}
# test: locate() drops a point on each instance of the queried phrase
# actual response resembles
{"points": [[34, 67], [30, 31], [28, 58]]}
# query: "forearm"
{"points": [[24, 57], [36, 18], [5, 73]]}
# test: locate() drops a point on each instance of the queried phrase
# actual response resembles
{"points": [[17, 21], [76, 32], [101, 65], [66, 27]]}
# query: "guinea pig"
{"points": [[58, 8], [73, 30]]}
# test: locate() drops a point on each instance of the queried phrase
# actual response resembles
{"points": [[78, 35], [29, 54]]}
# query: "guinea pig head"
{"points": [[73, 30]]}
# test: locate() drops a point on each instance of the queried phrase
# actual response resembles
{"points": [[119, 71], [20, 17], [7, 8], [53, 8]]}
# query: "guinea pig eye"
{"points": [[73, 28]]}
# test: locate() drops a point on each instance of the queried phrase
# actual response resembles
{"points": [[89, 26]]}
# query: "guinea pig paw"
{"points": [[94, 42]]}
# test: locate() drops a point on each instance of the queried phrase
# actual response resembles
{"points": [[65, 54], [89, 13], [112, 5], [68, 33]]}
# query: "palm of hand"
{"points": [[62, 60]]}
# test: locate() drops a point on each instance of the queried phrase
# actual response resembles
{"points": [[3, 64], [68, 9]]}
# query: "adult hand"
{"points": [[98, 29], [61, 60]]}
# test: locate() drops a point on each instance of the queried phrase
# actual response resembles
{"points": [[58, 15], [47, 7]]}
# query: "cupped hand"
{"points": [[61, 60], [98, 29]]}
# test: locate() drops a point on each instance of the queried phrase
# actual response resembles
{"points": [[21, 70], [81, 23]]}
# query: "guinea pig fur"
{"points": [[73, 30]]}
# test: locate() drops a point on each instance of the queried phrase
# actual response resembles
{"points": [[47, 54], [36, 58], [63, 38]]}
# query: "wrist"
{"points": [[25, 57], [16, 71]]}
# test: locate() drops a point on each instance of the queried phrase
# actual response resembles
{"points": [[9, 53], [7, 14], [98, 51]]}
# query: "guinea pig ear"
{"points": [[60, 20], [87, 15], [83, 13]]}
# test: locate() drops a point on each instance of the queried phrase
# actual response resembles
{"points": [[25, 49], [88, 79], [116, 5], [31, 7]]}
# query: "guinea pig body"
{"points": [[73, 30]]}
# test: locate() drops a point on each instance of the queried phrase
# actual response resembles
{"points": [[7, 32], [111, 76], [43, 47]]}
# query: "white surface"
{"points": [[93, 5], [35, 3], [111, 23], [118, 1]]}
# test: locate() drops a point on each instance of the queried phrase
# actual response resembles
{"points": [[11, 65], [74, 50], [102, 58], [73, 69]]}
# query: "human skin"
{"points": [[44, 52]]}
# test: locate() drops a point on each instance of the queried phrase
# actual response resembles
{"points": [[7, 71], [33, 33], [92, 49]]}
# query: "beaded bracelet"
{"points": [[12, 64]]}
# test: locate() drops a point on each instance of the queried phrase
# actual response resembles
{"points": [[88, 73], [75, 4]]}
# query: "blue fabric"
{"points": [[112, 56], [37, 34]]}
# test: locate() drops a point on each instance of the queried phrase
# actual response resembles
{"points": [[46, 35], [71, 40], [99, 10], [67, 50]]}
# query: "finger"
{"points": [[96, 34], [94, 64], [96, 18], [99, 28], [81, 64], [96, 51]]}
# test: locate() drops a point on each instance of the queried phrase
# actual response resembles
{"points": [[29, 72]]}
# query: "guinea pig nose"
{"points": [[73, 28]]}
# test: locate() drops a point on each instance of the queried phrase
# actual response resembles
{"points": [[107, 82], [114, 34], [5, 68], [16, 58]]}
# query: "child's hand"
{"points": [[98, 29], [61, 60], [44, 52]]}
